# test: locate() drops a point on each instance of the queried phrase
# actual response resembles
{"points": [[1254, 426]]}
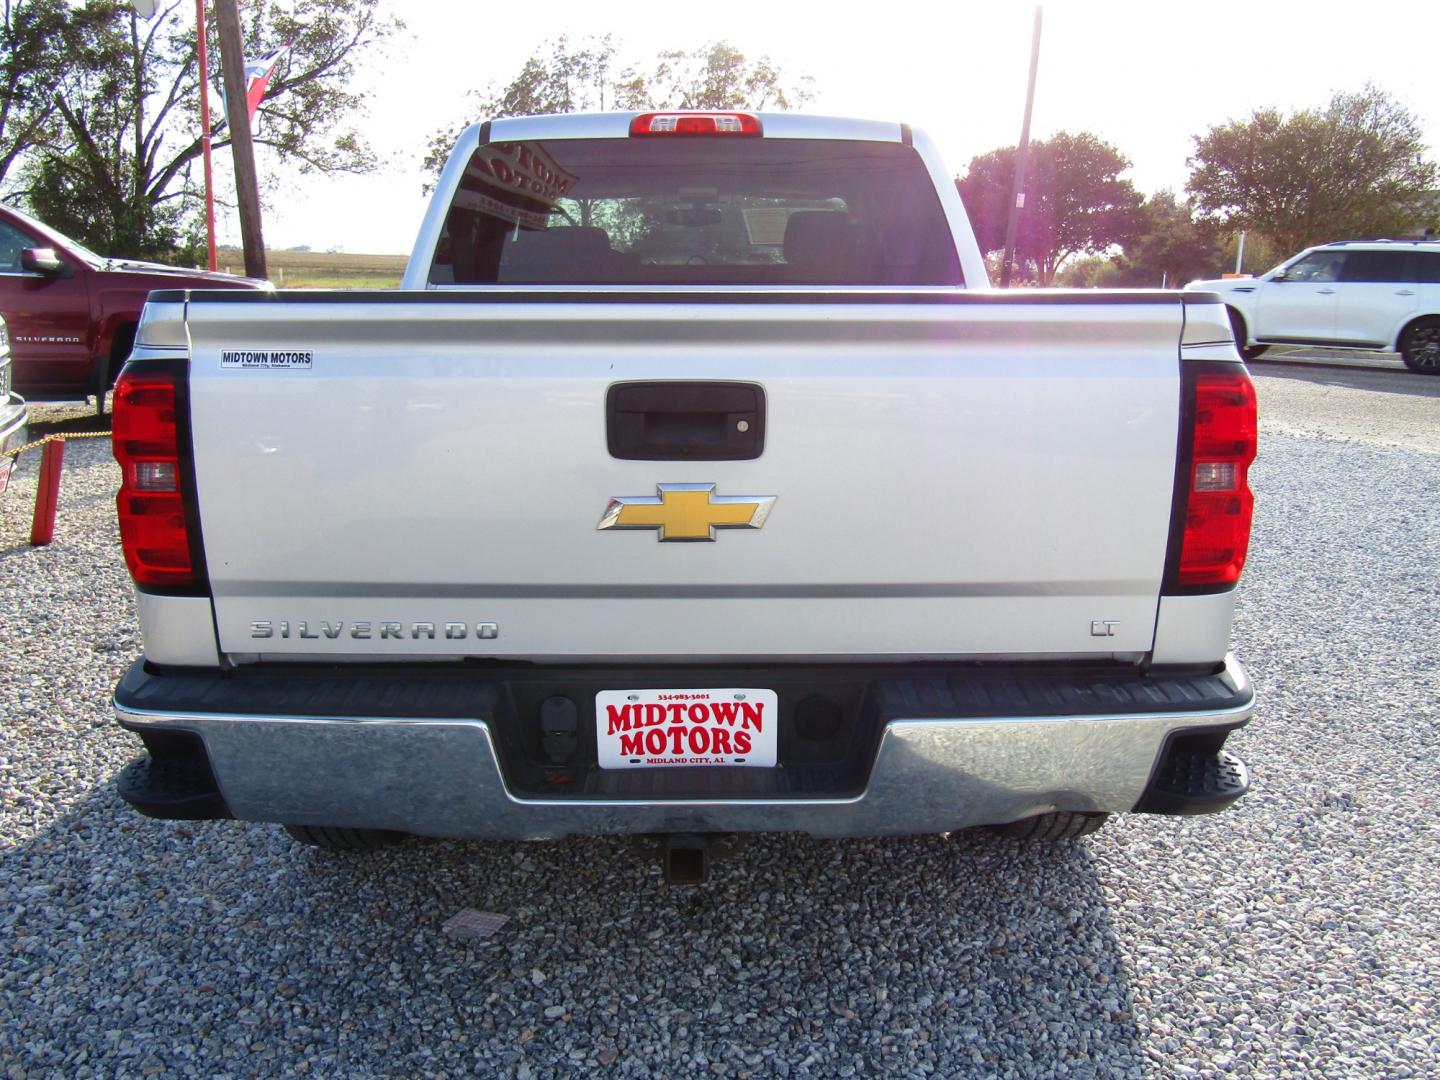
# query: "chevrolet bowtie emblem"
{"points": [[686, 512]]}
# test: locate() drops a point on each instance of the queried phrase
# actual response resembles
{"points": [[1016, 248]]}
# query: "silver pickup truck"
{"points": [[693, 484]]}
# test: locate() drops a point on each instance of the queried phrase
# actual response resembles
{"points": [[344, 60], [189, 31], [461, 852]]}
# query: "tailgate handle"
{"points": [[685, 421]]}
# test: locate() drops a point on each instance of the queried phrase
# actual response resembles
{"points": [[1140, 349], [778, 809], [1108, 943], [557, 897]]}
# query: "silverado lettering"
{"points": [[454, 631]]}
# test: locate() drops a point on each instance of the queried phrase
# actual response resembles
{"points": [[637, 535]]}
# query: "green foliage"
{"points": [[718, 76], [590, 77], [117, 167], [1075, 201], [305, 115], [1355, 168], [1094, 272], [45, 48], [1261, 253], [85, 206], [1171, 247]]}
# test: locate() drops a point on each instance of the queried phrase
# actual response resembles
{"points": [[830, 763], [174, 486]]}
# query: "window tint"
{"points": [[1378, 266], [1317, 266], [678, 211], [12, 242], [1428, 267]]}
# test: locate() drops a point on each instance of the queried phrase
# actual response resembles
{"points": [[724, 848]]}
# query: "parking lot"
{"points": [[1298, 933]]}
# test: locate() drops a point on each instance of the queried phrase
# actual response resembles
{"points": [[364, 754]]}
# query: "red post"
{"points": [[47, 494]]}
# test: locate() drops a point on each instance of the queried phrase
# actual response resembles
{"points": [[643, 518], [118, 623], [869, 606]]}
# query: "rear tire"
{"points": [[1237, 324], [102, 384], [1420, 347], [1061, 825], [107, 369], [331, 838]]}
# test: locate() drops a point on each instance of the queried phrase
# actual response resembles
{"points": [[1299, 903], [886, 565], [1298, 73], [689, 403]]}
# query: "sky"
{"points": [[1146, 77]]}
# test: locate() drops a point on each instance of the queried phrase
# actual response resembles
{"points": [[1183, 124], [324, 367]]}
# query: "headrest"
{"points": [[572, 241], [819, 238]]}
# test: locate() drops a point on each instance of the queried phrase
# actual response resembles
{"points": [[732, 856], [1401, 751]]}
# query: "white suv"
{"points": [[1371, 294]]}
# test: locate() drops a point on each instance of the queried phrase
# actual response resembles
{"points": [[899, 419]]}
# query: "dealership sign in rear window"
{"points": [[527, 179]]}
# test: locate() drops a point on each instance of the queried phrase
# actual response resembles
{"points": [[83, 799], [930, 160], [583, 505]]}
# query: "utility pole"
{"points": [[247, 191], [1017, 201]]}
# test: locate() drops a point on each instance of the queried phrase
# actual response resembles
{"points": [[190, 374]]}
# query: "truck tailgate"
{"points": [[953, 476]]}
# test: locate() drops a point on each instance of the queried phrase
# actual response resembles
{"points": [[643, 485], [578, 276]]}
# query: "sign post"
{"points": [[1017, 202]]}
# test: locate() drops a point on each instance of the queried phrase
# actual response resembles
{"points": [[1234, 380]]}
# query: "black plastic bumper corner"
{"points": [[1194, 779], [173, 787]]}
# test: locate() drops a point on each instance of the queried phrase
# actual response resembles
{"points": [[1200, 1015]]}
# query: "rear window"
{"points": [[1383, 266], [696, 211]]}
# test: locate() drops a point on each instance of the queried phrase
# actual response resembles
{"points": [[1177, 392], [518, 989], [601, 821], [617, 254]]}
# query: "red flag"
{"points": [[258, 74]]}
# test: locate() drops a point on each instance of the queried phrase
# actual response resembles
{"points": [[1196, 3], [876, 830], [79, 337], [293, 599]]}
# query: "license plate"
{"points": [[646, 729]]}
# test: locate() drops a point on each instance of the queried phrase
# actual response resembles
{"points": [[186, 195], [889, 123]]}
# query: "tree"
{"points": [[589, 76], [1355, 168], [42, 50], [581, 78], [1095, 272], [718, 76], [1169, 247], [1075, 200], [117, 171]]}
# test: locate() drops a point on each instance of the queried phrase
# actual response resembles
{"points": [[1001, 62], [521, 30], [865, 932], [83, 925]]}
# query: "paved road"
{"points": [[1298, 934], [1389, 380], [1398, 409]]}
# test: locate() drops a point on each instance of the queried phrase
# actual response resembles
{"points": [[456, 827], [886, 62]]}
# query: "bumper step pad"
{"points": [[174, 789], [1196, 783]]}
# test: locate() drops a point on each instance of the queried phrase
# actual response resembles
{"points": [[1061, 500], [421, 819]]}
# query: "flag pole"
{"points": [[205, 132]]}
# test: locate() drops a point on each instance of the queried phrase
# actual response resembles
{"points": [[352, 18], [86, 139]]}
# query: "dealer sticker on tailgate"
{"points": [[642, 729]]}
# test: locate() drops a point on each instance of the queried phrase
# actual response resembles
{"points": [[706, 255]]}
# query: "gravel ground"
{"points": [[1296, 934]]}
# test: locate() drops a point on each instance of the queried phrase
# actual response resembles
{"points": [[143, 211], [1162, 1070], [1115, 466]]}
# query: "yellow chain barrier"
{"points": [[51, 438]]}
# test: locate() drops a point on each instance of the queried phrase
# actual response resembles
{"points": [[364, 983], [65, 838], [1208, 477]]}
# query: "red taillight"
{"points": [[151, 503], [1218, 504], [695, 123]]}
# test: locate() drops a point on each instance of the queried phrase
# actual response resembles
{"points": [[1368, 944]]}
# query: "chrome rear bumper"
{"points": [[12, 422], [443, 776]]}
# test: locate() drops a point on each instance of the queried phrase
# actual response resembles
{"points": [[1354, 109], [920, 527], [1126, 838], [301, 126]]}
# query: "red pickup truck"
{"points": [[72, 313]]}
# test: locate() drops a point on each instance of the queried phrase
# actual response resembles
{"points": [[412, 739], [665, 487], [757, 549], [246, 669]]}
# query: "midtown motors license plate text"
{"points": [[638, 729]]}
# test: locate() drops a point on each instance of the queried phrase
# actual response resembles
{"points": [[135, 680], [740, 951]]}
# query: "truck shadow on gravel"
{"points": [[67, 420], [1408, 383], [228, 946]]}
